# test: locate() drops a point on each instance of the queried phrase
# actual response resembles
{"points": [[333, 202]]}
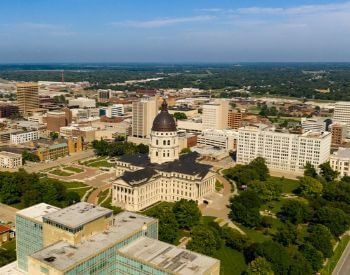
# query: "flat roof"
{"points": [[342, 153], [168, 257], [11, 269], [9, 154], [36, 212], [78, 214], [63, 256]]}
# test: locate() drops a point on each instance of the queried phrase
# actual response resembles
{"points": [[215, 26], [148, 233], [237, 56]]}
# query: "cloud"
{"points": [[157, 23]]}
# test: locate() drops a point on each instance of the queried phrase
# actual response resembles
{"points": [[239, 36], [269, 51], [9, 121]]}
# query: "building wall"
{"points": [[8, 110], [143, 114], [10, 160], [342, 114], [24, 137], [282, 151], [164, 147], [215, 115], [338, 133], [234, 119]]}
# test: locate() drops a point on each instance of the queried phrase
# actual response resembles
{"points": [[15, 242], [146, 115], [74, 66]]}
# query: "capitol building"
{"points": [[163, 175]]}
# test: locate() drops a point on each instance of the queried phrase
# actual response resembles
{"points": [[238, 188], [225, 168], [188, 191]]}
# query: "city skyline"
{"points": [[199, 31]]}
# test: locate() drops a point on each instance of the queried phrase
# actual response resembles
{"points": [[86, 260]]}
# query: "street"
{"points": [[343, 266]]}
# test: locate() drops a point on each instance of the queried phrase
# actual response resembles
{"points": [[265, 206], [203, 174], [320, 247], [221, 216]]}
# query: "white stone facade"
{"points": [[164, 147], [24, 137], [282, 150], [10, 160], [340, 161], [224, 139]]}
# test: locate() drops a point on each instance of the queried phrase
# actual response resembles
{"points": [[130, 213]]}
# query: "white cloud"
{"points": [[157, 23]]}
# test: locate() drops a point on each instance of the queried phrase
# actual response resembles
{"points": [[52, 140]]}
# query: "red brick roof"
{"points": [[4, 229]]}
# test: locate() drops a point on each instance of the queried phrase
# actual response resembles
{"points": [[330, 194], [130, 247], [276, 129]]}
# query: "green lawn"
{"points": [[102, 195], [101, 163], [93, 160], [332, 262], [73, 184], [73, 169], [218, 185], [61, 173], [288, 185], [256, 236], [273, 206], [232, 261], [11, 245]]}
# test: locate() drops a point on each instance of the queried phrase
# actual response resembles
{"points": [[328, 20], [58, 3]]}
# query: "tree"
{"points": [[28, 156], [310, 171], [327, 172], [313, 256], [72, 198], [180, 116], [296, 211], [241, 174], [101, 147], [259, 266], [185, 151], [259, 165], [234, 239], [287, 234], [142, 148], [320, 238], [187, 213], [203, 240], [298, 263], [168, 226], [310, 187], [267, 190], [249, 199], [53, 135], [335, 219], [249, 217], [10, 192]]}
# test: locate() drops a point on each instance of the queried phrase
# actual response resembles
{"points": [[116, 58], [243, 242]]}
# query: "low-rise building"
{"points": [[10, 160], [317, 124], [224, 139], [6, 234], [191, 126], [23, 137], [53, 151], [340, 161], [82, 102]]}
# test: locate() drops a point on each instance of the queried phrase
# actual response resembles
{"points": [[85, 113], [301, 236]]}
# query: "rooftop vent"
{"points": [[50, 259]]}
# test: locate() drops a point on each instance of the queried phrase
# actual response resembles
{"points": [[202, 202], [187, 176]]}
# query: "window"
{"points": [[169, 142], [156, 141], [164, 142]]}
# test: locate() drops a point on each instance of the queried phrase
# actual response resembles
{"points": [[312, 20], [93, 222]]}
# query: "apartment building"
{"points": [[27, 97], [282, 150], [88, 239], [224, 139], [339, 131], [23, 137], [342, 114], [143, 114], [10, 160], [215, 115]]}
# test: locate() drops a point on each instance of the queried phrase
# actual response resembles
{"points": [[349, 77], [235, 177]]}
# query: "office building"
{"points": [[224, 139], [27, 97], [57, 119], [338, 131], [340, 161], [143, 114], [103, 96], [215, 115], [234, 119], [88, 239], [23, 137], [342, 114], [282, 150], [82, 102], [10, 160], [7, 110], [316, 124], [112, 111], [163, 175]]}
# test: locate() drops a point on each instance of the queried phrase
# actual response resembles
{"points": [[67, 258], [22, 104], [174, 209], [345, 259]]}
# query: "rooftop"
{"points": [[10, 269], [168, 257], [36, 212], [63, 256], [9, 154], [78, 214], [342, 153]]}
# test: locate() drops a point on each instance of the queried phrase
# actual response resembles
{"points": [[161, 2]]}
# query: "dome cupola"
{"points": [[164, 122]]}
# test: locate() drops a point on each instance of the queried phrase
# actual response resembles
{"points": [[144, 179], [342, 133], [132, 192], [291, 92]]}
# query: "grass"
{"points": [[81, 192], [88, 162], [11, 245], [60, 173], [73, 184], [218, 186], [74, 169], [332, 262], [288, 185], [273, 206], [232, 261], [101, 163], [256, 236], [102, 195]]}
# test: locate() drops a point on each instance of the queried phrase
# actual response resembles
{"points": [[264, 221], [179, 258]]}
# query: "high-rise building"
{"points": [[215, 115], [234, 119], [282, 150], [27, 97], [143, 114], [338, 131], [342, 114], [103, 95], [57, 119], [88, 239]]}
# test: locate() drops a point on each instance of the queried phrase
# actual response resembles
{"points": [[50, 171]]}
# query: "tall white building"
{"points": [[215, 115], [224, 139], [342, 114], [143, 114], [163, 175], [282, 150], [23, 137]]}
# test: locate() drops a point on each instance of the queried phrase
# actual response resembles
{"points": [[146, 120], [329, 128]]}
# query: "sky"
{"points": [[172, 31]]}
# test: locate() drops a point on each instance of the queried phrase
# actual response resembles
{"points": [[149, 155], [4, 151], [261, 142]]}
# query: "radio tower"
{"points": [[62, 76]]}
